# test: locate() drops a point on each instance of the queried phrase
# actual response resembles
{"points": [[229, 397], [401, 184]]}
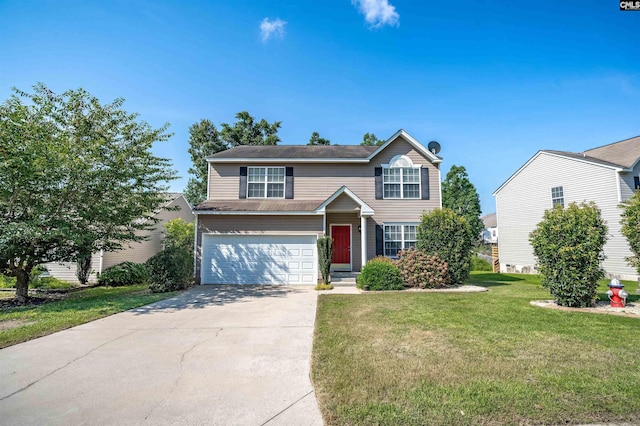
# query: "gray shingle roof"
{"points": [[295, 151], [259, 205], [582, 156]]}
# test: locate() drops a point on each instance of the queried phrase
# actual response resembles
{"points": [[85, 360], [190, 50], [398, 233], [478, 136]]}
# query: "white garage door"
{"points": [[259, 259]]}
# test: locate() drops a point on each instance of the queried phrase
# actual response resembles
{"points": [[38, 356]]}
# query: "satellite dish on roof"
{"points": [[434, 147]]}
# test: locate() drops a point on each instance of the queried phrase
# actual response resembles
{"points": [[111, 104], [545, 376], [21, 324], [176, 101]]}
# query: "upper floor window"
{"points": [[557, 196], [265, 182], [398, 237], [401, 179]]}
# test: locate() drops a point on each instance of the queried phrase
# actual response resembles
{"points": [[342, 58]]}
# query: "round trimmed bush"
{"points": [[380, 273], [422, 270]]}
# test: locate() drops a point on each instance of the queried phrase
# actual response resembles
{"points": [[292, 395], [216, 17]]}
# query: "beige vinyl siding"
{"points": [[343, 203], [520, 205], [255, 224], [139, 252], [66, 271]]}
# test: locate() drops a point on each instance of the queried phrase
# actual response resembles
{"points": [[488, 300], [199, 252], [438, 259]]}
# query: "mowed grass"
{"points": [[473, 358], [24, 323]]}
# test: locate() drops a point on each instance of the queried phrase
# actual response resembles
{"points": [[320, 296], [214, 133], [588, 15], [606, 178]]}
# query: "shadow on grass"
{"points": [[492, 279], [211, 295]]}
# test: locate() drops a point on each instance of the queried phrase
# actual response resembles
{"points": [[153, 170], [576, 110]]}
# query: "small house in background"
{"points": [[606, 175], [137, 252], [490, 231]]}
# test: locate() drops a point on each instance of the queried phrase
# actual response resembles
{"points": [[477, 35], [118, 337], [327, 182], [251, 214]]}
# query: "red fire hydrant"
{"points": [[617, 295]]}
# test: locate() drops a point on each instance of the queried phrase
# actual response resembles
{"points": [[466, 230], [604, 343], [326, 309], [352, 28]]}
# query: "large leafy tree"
{"points": [[76, 176], [317, 140], [370, 139], [460, 195], [247, 131], [204, 140]]}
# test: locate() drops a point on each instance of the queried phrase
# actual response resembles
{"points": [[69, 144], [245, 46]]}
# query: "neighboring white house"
{"points": [[606, 175], [490, 231], [137, 252]]}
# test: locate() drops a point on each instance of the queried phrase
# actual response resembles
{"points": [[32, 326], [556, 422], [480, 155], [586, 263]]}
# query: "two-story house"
{"points": [[267, 206], [607, 175]]}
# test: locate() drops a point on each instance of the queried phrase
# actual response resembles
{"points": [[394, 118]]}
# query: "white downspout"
{"points": [[195, 247]]}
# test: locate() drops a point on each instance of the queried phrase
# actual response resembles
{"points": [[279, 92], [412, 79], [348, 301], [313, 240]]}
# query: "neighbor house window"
{"points": [[398, 237], [557, 196], [401, 179], [265, 182]]}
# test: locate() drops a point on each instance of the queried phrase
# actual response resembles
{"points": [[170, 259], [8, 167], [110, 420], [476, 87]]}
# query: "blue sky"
{"points": [[492, 81]]}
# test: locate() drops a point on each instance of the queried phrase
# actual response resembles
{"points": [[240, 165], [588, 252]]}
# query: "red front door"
{"points": [[341, 235]]}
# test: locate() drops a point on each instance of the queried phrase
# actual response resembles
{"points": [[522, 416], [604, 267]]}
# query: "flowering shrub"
{"points": [[422, 270]]}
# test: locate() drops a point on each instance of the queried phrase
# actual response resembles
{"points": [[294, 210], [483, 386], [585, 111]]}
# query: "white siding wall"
{"points": [[521, 203]]}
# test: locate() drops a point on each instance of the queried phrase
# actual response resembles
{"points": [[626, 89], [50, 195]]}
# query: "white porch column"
{"points": [[363, 239]]}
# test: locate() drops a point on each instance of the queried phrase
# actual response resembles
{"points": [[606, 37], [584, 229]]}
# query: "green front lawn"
{"points": [[473, 358], [25, 323]]}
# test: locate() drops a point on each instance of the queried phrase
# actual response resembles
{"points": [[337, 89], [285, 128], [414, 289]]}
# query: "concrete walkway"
{"points": [[231, 355]]}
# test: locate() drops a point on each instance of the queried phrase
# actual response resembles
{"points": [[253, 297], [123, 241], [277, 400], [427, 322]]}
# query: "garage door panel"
{"points": [[258, 259]]}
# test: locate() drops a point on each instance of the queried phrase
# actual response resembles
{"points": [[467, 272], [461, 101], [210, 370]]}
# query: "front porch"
{"points": [[346, 220]]}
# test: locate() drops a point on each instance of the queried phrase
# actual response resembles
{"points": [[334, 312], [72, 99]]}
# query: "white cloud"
{"points": [[378, 13], [273, 28]]}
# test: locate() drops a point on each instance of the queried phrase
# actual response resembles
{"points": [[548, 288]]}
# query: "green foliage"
{"points": [[380, 273], [447, 234], [7, 282], [246, 131], [170, 270], [460, 195], [422, 270], [479, 264], [370, 139], [76, 175], [630, 221], [179, 234], [325, 254], [324, 286], [125, 273], [204, 140], [568, 243], [317, 140]]}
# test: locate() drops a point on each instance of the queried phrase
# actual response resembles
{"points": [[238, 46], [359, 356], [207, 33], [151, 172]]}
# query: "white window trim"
{"points": [[391, 165], [554, 199], [266, 181], [384, 235]]}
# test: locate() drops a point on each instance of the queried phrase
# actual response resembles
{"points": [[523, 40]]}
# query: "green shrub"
{"points": [[170, 270], [124, 273], [568, 243], [422, 270], [630, 221], [323, 286], [380, 274], [7, 282], [479, 264], [49, 283], [447, 234], [325, 253]]}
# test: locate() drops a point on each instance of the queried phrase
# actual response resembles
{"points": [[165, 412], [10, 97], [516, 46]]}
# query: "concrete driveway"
{"points": [[230, 355]]}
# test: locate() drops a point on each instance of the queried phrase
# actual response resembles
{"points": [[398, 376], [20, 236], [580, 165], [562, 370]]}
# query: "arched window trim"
{"points": [[401, 179]]}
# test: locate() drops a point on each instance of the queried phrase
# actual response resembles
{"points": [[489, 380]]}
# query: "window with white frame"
{"points": [[401, 179], [265, 182], [397, 237], [557, 196]]}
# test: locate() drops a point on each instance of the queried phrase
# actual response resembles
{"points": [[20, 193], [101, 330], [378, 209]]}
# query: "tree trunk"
{"points": [[22, 285]]}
